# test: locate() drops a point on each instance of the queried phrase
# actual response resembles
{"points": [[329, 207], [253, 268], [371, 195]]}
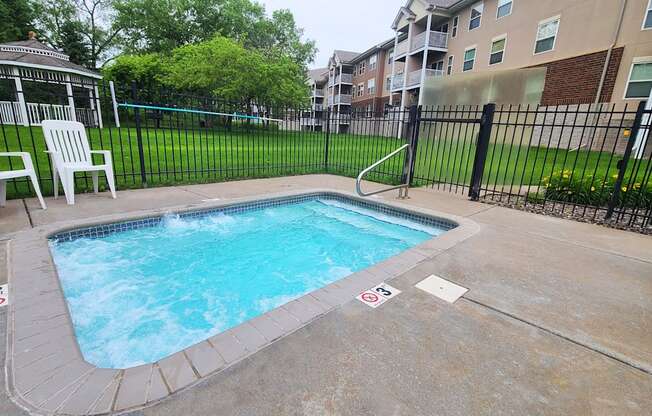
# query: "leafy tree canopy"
{"points": [[162, 25], [17, 20], [221, 67]]}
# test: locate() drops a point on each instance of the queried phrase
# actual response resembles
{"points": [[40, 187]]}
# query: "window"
{"points": [[476, 16], [456, 21], [437, 66], [639, 84], [363, 67], [546, 35], [497, 50], [449, 67], [361, 89], [442, 29], [372, 62], [647, 22], [469, 59], [388, 84], [371, 86], [504, 8], [390, 56]]}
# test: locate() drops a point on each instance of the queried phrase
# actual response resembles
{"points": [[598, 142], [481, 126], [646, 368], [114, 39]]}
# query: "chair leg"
{"points": [[68, 181], [3, 193], [96, 181], [55, 181], [110, 180], [37, 190]]}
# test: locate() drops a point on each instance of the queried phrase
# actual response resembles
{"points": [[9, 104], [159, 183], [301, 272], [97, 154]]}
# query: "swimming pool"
{"points": [[141, 290]]}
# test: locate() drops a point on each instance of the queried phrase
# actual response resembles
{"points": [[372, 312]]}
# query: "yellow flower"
{"points": [[615, 176], [565, 176], [637, 185], [624, 189], [593, 189]]}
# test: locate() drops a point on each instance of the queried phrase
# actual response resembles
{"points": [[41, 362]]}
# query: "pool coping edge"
{"points": [[33, 276]]}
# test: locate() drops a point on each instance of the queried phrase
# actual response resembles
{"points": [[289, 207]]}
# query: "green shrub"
{"points": [[566, 186]]}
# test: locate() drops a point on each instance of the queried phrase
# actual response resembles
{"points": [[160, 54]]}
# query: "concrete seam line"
{"points": [[29, 216], [602, 351]]}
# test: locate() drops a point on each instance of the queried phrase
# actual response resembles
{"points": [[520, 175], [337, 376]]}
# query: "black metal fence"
{"points": [[578, 161]]}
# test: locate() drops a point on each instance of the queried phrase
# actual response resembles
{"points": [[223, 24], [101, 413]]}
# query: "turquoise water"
{"points": [[138, 296]]}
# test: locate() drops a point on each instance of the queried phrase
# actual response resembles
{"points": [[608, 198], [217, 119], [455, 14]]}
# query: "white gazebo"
{"points": [[32, 61]]}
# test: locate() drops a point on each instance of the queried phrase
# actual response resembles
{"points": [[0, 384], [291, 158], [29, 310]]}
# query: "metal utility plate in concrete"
{"points": [[441, 288]]}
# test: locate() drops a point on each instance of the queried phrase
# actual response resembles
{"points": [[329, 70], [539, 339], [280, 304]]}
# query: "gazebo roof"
{"points": [[33, 54]]}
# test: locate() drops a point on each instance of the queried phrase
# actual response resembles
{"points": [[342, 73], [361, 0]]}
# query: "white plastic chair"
{"points": [[70, 152], [11, 174]]}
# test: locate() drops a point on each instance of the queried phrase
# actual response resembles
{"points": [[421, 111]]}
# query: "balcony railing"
{"points": [[397, 82], [434, 73], [311, 121], [414, 78], [318, 107], [401, 48], [344, 79], [343, 99], [438, 40], [318, 93]]}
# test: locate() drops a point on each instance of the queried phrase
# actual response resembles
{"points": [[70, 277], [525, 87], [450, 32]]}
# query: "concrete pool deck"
{"points": [[558, 320]]}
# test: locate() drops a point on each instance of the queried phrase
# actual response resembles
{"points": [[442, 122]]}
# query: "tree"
{"points": [[17, 19], [81, 28], [146, 70], [162, 25], [229, 71]]}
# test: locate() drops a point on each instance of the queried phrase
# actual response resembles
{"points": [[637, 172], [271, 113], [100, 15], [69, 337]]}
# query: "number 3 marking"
{"points": [[383, 292]]}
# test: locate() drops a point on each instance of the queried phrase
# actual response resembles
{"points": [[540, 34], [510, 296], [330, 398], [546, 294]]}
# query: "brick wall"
{"points": [[575, 80]]}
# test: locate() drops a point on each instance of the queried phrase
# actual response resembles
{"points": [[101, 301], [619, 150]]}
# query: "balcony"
{"points": [[318, 93], [401, 49], [414, 78], [311, 121], [343, 99], [343, 118], [434, 73], [318, 107], [397, 82], [344, 79], [438, 40]]}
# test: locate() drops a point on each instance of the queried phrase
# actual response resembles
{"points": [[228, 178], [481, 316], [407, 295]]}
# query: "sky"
{"points": [[353, 25]]}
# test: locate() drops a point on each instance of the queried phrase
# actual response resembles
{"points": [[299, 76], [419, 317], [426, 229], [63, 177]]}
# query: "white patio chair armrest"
{"points": [[27, 158], [105, 153]]}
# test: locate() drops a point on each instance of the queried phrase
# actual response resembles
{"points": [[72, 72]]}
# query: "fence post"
{"points": [[482, 148], [328, 138], [615, 196], [413, 138], [139, 135]]}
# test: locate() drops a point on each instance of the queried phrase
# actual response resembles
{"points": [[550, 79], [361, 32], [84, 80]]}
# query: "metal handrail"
{"points": [[358, 181]]}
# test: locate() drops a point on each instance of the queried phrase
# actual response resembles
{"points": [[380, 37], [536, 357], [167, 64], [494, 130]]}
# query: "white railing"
{"points": [[343, 99], [414, 78], [434, 73], [318, 93], [437, 40], [330, 100], [311, 121], [401, 48], [397, 82], [39, 112], [343, 118], [318, 107], [344, 79], [10, 112]]}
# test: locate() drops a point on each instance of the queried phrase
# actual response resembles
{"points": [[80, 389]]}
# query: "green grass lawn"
{"points": [[209, 155]]}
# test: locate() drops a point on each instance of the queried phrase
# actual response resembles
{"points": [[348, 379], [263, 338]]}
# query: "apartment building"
{"points": [[593, 50], [313, 118], [371, 85]]}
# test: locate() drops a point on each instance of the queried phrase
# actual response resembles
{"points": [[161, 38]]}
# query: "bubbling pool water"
{"points": [[138, 296]]}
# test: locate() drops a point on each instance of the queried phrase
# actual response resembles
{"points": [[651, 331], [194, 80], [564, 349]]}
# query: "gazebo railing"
{"points": [[10, 112], [36, 112]]}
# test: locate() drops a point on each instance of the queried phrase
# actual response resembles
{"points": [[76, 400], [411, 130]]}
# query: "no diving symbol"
{"points": [[367, 297], [2, 300]]}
